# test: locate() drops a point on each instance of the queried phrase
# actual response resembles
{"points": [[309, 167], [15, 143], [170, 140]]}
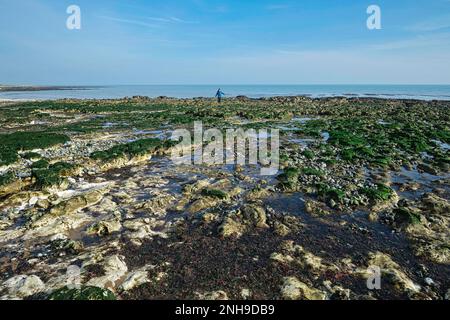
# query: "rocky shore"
{"points": [[88, 192]]}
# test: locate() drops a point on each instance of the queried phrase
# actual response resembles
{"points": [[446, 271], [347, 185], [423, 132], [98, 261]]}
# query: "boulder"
{"points": [[22, 286], [231, 227], [134, 279], [77, 203], [115, 268], [390, 271], [294, 289], [254, 215]]}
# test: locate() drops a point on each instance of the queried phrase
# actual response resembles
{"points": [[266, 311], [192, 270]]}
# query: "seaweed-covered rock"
{"points": [[294, 289], [391, 272], [10, 185], [236, 223], [258, 193], [289, 178], [21, 198], [203, 203], [281, 229], [67, 245], [405, 216], [231, 227], [428, 169], [316, 207], [77, 203], [293, 254], [102, 228], [435, 250], [196, 187], [434, 204], [254, 215], [214, 193]]}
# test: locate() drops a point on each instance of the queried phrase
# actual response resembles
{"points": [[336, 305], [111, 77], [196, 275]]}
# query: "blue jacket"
{"points": [[219, 94]]}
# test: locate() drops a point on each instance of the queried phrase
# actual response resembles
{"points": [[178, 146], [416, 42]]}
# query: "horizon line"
{"points": [[225, 84]]}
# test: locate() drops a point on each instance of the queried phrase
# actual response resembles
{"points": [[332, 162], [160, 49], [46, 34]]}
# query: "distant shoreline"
{"points": [[4, 88]]}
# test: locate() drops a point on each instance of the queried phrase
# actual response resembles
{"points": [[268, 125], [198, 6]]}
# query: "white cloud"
{"points": [[130, 21], [171, 20]]}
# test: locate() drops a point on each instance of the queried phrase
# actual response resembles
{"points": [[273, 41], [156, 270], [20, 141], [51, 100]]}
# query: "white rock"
{"points": [[23, 286], [246, 293], [33, 201], [429, 281], [115, 264], [134, 279], [108, 205], [115, 269], [58, 236]]}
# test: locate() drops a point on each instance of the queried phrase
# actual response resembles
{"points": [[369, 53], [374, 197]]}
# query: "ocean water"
{"points": [[421, 92]]}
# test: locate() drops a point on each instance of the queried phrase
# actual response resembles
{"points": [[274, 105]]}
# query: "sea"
{"points": [[420, 92]]}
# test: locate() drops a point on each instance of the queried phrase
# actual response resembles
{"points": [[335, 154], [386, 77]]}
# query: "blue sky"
{"points": [[224, 42]]}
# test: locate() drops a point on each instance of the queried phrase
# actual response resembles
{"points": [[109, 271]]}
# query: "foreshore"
{"points": [[90, 184]]}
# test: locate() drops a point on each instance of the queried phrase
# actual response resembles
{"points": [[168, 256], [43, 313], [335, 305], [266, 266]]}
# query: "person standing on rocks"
{"points": [[219, 95]]}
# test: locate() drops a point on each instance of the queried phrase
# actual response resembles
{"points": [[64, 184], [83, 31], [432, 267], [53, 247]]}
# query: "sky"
{"points": [[224, 42]]}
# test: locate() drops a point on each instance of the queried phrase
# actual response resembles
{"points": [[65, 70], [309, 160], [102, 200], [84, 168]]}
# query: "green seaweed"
{"points": [[83, 293], [312, 172], [289, 177], [41, 164], [405, 216], [52, 174], [19, 141], [284, 157], [7, 155], [214, 193], [330, 193], [308, 154], [31, 155], [32, 140], [348, 154], [379, 193], [346, 139], [135, 148], [6, 178]]}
